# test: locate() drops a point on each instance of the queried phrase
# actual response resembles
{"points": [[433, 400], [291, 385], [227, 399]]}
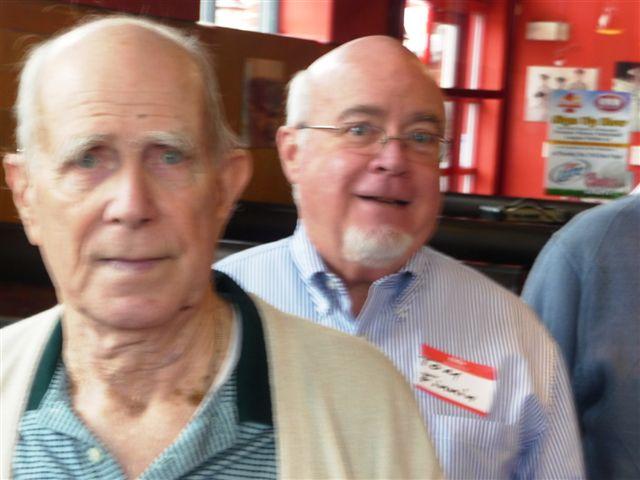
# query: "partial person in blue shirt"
{"points": [[151, 367], [361, 148], [585, 285]]}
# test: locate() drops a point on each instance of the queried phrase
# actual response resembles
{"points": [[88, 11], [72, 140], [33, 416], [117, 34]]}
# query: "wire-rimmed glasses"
{"points": [[370, 139]]}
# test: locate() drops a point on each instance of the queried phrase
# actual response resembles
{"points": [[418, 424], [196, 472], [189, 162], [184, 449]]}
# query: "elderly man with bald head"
{"points": [[150, 368], [361, 149]]}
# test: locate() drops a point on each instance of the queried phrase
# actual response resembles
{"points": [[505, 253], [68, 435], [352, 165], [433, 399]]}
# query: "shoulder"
{"points": [[482, 305], [262, 253], [467, 282], [322, 347], [252, 264], [21, 345], [25, 339], [268, 270], [599, 230], [602, 221], [30, 329]]}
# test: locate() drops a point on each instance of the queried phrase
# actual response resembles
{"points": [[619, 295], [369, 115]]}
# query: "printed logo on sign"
{"points": [[568, 171], [610, 102], [570, 102]]}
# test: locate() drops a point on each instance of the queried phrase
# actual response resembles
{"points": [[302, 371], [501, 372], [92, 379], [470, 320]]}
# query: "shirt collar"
{"points": [[253, 389], [305, 255], [315, 273]]}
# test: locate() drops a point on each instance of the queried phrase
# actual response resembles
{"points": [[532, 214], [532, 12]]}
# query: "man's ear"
{"points": [[286, 140], [233, 176], [16, 175]]}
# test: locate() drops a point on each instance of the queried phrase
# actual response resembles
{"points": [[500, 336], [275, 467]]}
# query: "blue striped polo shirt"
{"points": [[230, 437]]}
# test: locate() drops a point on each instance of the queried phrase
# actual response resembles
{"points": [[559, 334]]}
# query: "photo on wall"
{"points": [[262, 109], [627, 79], [541, 81]]}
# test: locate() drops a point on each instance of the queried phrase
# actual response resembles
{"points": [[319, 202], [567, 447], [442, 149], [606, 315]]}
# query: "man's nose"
{"points": [[392, 158], [131, 201]]}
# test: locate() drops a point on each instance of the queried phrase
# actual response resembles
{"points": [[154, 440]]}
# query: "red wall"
{"points": [[311, 20], [359, 18], [523, 168], [335, 21]]}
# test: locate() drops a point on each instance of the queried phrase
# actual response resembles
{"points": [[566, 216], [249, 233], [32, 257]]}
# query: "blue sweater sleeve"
{"points": [[553, 290]]}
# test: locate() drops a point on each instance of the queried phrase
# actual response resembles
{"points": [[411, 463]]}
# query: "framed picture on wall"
{"points": [[627, 79], [262, 110], [541, 81]]}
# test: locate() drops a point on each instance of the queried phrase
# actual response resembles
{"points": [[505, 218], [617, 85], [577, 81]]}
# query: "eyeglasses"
{"points": [[370, 140]]}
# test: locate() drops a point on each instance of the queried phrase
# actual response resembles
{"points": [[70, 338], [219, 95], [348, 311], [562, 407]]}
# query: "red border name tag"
{"points": [[466, 384]]}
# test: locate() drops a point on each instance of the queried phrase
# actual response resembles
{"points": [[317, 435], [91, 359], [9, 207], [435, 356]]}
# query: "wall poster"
{"points": [[262, 111], [541, 81], [627, 79], [588, 143]]}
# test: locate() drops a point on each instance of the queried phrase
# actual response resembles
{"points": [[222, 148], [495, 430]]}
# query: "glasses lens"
{"points": [[425, 147], [423, 142], [362, 137]]}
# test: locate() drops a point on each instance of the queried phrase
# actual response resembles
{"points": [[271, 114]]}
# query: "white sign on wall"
{"points": [[588, 143]]}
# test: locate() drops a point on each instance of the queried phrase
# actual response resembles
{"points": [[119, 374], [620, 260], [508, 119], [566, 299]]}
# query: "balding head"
{"points": [[28, 107], [371, 59]]}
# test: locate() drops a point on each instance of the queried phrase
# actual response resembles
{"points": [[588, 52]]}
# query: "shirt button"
{"points": [[333, 283], [94, 455]]}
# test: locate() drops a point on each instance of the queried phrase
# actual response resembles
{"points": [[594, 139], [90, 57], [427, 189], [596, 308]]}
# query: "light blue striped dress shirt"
{"points": [[530, 431]]}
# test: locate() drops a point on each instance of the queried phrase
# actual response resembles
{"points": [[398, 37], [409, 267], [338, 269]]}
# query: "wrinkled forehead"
{"points": [[399, 89], [119, 72], [125, 59]]}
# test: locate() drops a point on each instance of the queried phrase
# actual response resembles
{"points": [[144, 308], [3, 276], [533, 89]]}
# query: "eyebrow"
{"points": [[361, 110], [73, 147], [427, 118], [176, 140], [419, 117]]}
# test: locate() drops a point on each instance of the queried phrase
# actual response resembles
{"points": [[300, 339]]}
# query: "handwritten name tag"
{"points": [[466, 384]]}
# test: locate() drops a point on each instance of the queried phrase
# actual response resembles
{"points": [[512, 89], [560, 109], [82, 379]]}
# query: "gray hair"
{"points": [[298, 98], [26, 109]]}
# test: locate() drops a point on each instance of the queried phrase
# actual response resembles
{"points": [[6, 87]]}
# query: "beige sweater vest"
{"points": [[340, 409]]}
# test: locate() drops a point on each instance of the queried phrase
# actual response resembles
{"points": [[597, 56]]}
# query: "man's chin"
{"points": [[375, 247], [132, 313]]}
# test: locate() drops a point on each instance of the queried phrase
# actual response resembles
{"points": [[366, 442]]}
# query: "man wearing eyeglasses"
{"points": [[361, 148]]}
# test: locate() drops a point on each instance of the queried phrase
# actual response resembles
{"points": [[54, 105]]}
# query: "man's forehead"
{"points": [[122, 57], [103, 85], [105, 79], [358, 76], [357, 93], [379, 113]]}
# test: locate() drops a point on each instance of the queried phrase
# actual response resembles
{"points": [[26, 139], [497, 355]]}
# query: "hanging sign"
{"points": [[588, 143]]}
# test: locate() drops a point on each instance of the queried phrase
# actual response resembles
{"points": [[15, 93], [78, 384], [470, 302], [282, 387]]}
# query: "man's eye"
{"points": [[87, 160], [172, 157], [423, 138], [359, 130]]}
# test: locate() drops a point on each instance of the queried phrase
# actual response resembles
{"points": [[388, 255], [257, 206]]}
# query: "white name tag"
{"points": [[466, 384]]}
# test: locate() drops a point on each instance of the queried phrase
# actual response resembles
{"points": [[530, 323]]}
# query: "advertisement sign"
{"points": [[627, 79], [588, 143]]}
